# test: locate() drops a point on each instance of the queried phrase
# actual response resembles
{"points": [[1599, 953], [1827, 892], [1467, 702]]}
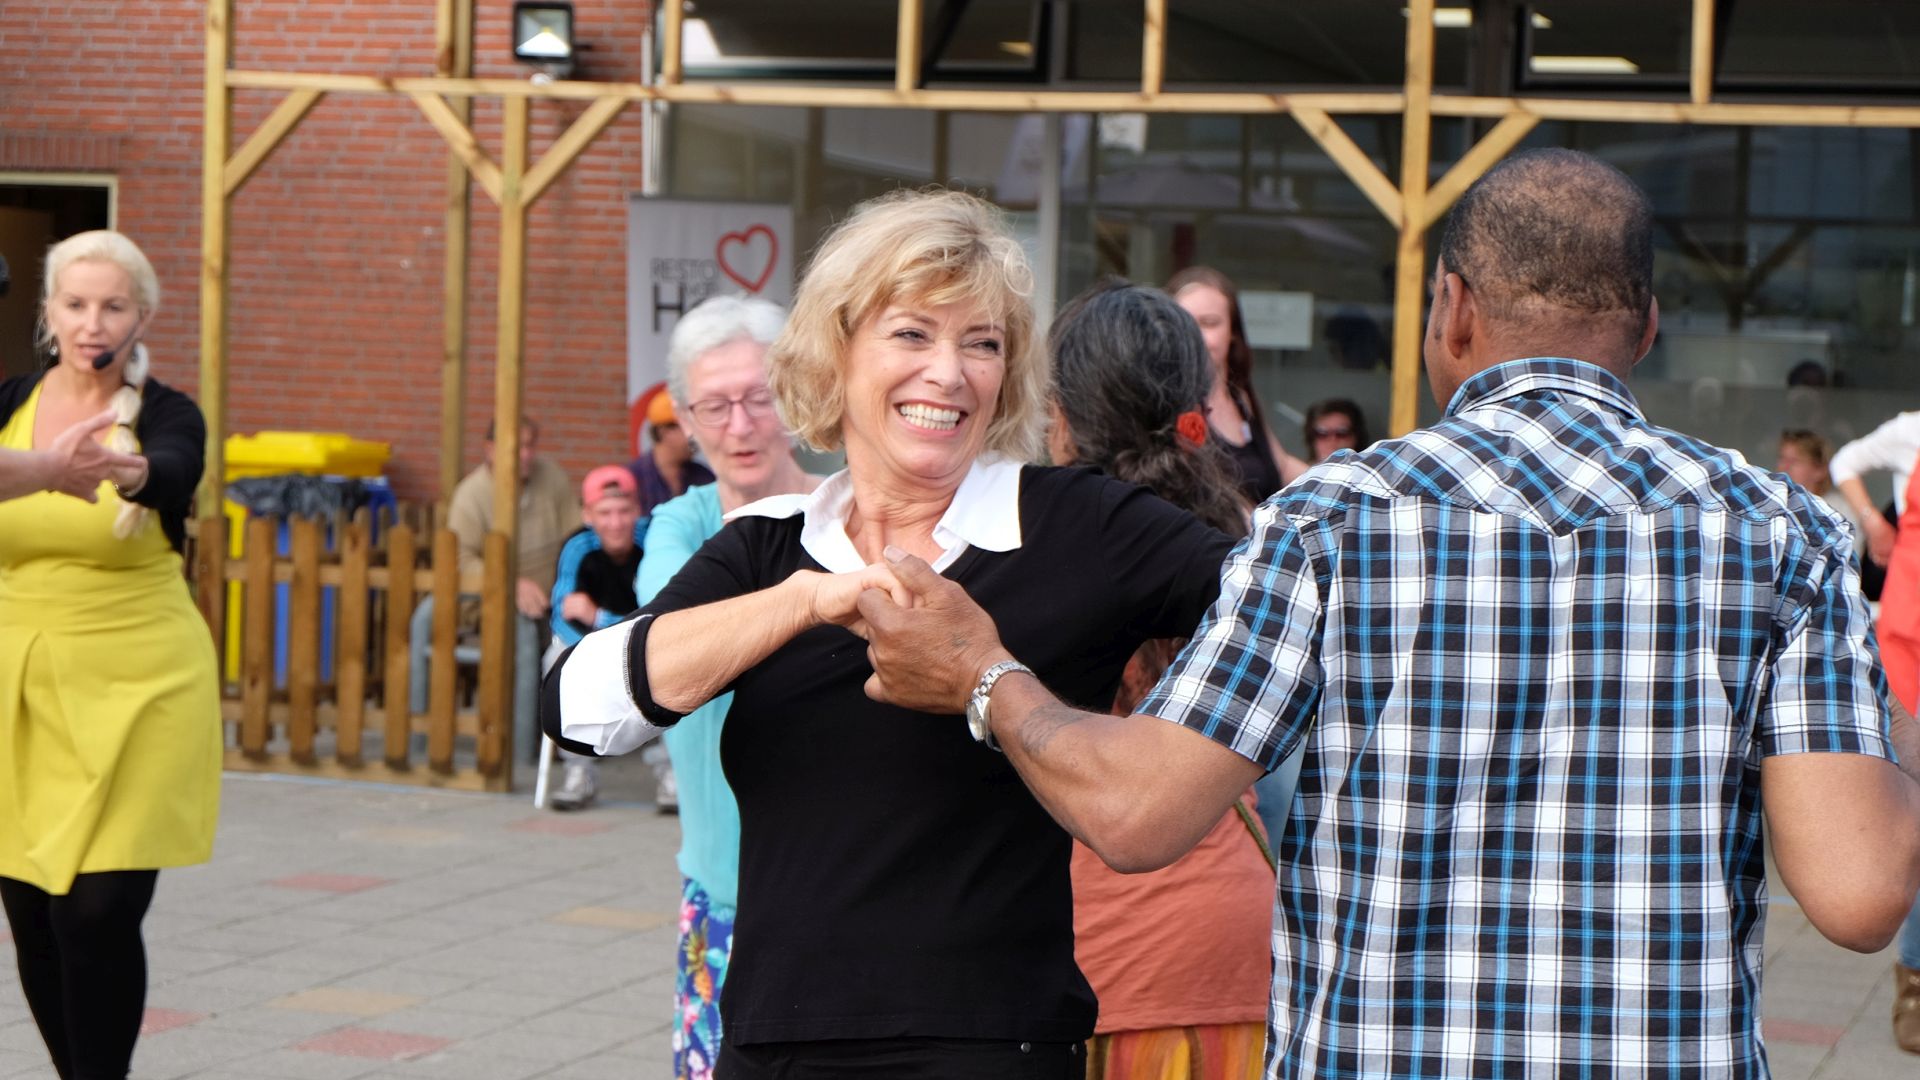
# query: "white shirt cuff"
{"points": [[595, 706]]}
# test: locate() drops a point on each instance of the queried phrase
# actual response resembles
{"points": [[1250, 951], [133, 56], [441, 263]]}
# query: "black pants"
{"points": [[903, 1059], [83, 967]]}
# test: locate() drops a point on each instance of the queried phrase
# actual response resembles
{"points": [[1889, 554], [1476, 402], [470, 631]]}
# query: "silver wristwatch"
{"points": [[978, 721]]}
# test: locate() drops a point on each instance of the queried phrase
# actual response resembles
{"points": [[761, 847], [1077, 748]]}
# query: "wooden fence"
{"points": [[351, 586]]}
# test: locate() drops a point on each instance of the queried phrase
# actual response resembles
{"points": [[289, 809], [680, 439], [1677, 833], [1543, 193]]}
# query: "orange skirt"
{"points": [[1208, 1052]]}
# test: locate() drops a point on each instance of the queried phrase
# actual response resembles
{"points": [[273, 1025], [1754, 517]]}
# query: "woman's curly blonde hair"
{"points": [[935, 247]]}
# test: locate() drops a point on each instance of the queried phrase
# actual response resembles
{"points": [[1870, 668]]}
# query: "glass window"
{"points": [[1834, 44], [857, 38], [1638, 43]]}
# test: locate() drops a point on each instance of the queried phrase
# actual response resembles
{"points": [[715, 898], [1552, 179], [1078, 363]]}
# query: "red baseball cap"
{"points": [[594, 488]]}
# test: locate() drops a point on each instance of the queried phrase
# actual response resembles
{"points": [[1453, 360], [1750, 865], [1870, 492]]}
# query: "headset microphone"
{"points": [[105, 359]]}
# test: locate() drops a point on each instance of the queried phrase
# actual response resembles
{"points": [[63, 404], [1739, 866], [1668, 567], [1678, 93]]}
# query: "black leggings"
{"points": [[84, 968]]}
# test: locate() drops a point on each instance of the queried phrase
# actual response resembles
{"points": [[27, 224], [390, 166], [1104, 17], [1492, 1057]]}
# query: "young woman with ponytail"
{"points": [[110, 741], [1179, 957]]}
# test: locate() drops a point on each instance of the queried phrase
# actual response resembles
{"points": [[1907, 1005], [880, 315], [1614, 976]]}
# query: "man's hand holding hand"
{"points": [[928, 655], [76, 462]]}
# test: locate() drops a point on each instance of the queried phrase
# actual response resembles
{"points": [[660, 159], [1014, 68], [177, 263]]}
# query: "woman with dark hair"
{"points": [[1234, 413], [1333, 424], [1177, 957]]}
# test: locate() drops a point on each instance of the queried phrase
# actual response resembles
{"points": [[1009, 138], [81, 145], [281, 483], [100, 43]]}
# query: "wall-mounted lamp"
{"points": [[543, 35]]}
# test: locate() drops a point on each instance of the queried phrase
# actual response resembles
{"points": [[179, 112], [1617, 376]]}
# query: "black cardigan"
{"points": [[173, 438]]}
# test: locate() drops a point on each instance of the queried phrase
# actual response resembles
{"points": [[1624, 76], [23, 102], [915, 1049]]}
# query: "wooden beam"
{"points": [[1411, 257], [1153, 49], [1700, 74], [497, 679], [568, 146], [671, 36], [1492, 146], [277, 126], [461, 138], [453, 58], [1352, 160], [1676, 112], [215, 217], [906, 48]]}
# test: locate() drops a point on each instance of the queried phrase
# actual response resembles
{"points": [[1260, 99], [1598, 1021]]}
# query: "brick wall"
{"points": [[335, 306]]}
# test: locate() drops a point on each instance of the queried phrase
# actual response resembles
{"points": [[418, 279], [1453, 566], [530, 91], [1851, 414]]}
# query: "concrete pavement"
{"points": [[347, 931]]}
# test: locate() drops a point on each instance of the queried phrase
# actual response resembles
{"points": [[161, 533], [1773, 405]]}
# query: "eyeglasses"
{"points": [[1332, 432], [713, 412]]}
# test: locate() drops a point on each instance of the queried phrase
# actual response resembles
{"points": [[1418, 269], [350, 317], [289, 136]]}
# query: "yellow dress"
{"points": [[110, 736]]}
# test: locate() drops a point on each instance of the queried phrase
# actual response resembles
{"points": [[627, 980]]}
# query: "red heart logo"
{"points": [[744, 242]]}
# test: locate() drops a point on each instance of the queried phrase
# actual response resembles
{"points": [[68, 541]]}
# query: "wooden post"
{"points": [[210, 581], [1410, 262], [493, 747], [497, 665], [1475, 162], [453, 58], [906, 49], [256, 637], [445, 668], [350, 669], [1153, 49], [303, 638], [399, 667], [1700, 74], [670, 37], [216, 139]]}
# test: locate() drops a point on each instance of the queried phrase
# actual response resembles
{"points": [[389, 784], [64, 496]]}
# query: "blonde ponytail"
{"points": [[126, 412]]}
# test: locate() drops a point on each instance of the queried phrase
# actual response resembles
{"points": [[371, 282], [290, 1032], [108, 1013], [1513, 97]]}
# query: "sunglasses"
{"points": [[1332, 432]]}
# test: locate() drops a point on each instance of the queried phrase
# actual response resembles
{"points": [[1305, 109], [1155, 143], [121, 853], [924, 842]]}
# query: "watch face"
{"points": [[977, 717]]}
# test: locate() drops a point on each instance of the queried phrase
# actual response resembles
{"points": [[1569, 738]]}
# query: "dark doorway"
{"points": [[33, 217]]}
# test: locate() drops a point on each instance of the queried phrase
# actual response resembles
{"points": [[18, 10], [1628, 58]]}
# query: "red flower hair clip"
{"points": [[1192, 427]]}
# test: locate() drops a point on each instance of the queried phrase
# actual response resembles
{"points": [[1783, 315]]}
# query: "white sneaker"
{"points": [[577, 786], [666, 790]]}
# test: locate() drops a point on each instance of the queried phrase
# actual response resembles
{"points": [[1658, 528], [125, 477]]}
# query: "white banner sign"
{"points": [[681, 251]]}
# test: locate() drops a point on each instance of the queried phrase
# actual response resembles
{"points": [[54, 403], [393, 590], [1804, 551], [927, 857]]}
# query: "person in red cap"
{"points": [[667, 469], [593, 588]]}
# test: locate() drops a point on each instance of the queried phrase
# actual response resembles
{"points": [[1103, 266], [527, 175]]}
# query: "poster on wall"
{"points": [[681, 251]]}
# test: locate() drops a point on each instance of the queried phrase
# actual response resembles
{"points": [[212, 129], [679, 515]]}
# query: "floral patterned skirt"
{"points": [[1207, 1052], [706, 941]]}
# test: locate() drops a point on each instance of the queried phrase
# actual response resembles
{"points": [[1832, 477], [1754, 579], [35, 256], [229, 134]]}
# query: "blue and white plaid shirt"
{"points": [[1538, 652]]}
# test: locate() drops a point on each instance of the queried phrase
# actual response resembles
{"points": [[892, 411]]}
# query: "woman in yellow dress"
{"points": [[110, 740]]}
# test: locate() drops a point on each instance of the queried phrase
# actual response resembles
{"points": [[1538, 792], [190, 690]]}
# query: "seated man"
{"points": [[547, 514], [593, 588]]}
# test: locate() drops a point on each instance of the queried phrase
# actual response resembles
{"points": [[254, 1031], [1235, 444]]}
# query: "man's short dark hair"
{"points": [[525, 422], [1553, 228]]}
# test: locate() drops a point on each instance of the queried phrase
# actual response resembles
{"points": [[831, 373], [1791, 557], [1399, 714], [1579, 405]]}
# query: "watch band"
{"points": [[983, 694]]}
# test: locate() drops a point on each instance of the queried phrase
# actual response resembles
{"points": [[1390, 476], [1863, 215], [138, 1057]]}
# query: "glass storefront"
{"points": [[1780, 251]]}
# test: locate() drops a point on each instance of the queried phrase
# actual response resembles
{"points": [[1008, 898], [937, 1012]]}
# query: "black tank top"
{"points": [[1254, 470]]}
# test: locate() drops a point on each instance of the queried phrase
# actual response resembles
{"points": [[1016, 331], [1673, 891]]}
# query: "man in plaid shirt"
{"points": [[1550, 663]]}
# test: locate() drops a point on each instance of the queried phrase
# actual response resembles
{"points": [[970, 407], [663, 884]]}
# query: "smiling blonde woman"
{"points": [[905, 908]]}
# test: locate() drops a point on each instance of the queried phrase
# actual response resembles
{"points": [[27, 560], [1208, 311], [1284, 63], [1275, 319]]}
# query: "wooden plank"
{"points": [[862, 97], [1153, 49], [511, 316], [1675, 112], [327, 717], [378, 576], [1411, 256], [453, 57], [671, 36], [461, 138], [1474, 164], [397, 685], [497, 615], [1700, 73], [1352, 160], [376, 772], [209, 582], [303, 635], [906, 47], [444, 669], [256, 635], [566, 148], [351, 631], [215, 216], [276, 127]]}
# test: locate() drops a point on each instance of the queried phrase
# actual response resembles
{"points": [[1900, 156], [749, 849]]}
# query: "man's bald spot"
{"points": [[1553, 234]]}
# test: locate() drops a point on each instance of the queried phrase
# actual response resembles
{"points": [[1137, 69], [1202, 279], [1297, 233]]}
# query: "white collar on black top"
{"points": [[984, 513]]}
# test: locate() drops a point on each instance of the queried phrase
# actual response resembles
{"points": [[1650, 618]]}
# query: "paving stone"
{"points": [[364, 1042], [155, 1021], [349, 1002], [331, 883]]}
